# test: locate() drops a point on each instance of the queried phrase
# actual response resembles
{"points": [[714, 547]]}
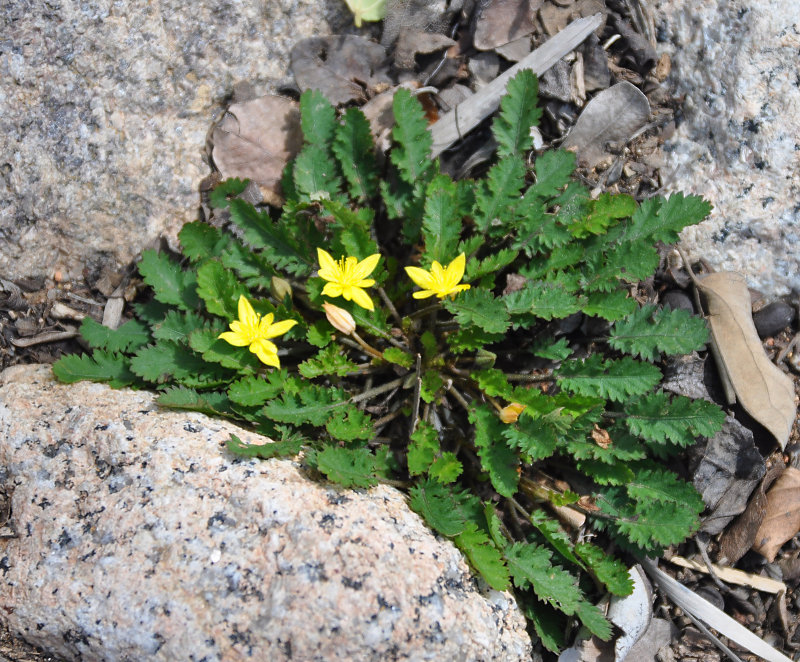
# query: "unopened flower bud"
{"points": [[280, 287], [510, 413], [339, 318]]}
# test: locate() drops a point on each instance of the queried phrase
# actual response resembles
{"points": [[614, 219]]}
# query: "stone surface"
{"points": [[738, 142], [140, 538], [104, 111]]}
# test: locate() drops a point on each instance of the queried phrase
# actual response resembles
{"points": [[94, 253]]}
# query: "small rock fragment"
{"points": [[773, 318]]}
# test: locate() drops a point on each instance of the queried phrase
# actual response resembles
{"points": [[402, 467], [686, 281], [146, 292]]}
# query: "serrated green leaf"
{"points": [[99, 367], [662, 219], [531, 567], [543, 300], [169, 282], [594, 620], [176, 326], [553, 170], [164, 360], [219, 289], [555, 536], [493, 382], [651, 331], [398, 357], [613, 379], [316, 176], [411, 156], [320, 333], [127, 338], [497, 196], [490, 265], [252, 268], [200, 240], [317, 118], [350, 423], [252, 391], [313, 405], [441, 507], [211, 403], [446, 468], [355, 152], [478, 307], [604, 212], [555, 351], [441, 222], [661, 420], [611, 306], [215, 350], [422, 449], [231, 187], [548, 623], [430, 384], [537, 436], [608, 570], [483, 556], [284, 448], [497, 459], [472, 338], [518, 113], [349, 467], [604, 473], [327, 361]]}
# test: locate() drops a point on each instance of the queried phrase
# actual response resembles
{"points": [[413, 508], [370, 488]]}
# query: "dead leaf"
{"points": [[255, 140], [554, 18], [343, 67], [613, 116], [782, 518], [516, 50], [601, 436], [499, 22], [411, 43], [642, 52], [739, 536], [766, 393]]}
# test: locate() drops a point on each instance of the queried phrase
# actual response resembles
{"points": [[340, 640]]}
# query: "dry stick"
{"points": [[48, 336], [417, 390], [386, 300], [372, 392], [473, 110]]}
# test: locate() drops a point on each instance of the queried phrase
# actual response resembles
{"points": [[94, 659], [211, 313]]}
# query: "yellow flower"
{"points": [[348, 277], [439, 280], [253, 331], [510, 413]]}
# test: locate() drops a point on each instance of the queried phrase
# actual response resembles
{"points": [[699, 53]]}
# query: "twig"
{"points": [[372, 392], [385, 298], [456, 394], [473, 110], [48, 336], [521, 377], [417, 389]]}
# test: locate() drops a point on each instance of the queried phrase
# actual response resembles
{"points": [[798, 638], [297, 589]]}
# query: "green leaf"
{"points": [[215, 350], [549, 625], [411, 156], [367, 10], [254, 269], [398, 357], [472, 338], [127, 338], [252, 391], [604, 212], [518, 113], [327, 361], [200, 240], [218, 198], [660, 420], [483, 556], [320, 333], [497, 459], [613, 379], [312, 404], [446, 468], [531, 567], [537, 436], [422, 449], [355, 152], [315, 174], [349, 467], [441, 223], [430, 384], [442, 507], [543, 300], [167, 360], [497, 196], [278, 242], [662, 219], [493, 382], [219, 289], [480, 308], [317, 118], [650, 331], [490, 265], [211, 403], [594, 620], [170, 284], [351, 230], [555, 536], [176, 326], [99, 367], [553, 170], [608, 570], [285, 448], [349, 424], [555, 351], [611, 306]]}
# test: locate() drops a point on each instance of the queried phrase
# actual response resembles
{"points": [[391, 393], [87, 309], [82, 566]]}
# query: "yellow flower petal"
{"points": [[326, 262], [332, 290], [455, 270], [279, 328], [423, 294], [233, 338], [266, 352], [420, 277], [369, 282], [366, 267], [247, 315], [361, 298]]}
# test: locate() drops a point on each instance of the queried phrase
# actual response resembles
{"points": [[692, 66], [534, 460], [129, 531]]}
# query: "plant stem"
{"points": [[369, 349], [390, 306], [377, 390], [524, 377], [448, 386]]}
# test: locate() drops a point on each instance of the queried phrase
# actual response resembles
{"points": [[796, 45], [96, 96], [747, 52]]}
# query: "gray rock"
{"points": [[104, 111], [737, 145], [140, 538]]}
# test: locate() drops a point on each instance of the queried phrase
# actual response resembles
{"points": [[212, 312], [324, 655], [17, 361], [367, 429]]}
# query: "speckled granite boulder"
{"points": [[738, 144], [104, 111], [140, 538]]}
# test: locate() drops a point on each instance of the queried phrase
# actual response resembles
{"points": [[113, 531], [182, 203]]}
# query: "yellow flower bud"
{"points": [[339, 318], [280, 287], [510, 413]]}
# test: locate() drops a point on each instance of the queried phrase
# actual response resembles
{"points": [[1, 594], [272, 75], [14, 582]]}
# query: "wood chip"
{"points": [[733, 576]]}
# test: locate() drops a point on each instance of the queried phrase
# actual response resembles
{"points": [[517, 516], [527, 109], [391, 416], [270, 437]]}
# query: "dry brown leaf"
{"points": [[255, 139], [411, 43], [499, 22], [766, 393], [782, 519]]}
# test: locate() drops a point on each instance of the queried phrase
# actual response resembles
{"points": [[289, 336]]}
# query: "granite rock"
{"points": [[737, 142], [104, 111], [139, 537]]}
